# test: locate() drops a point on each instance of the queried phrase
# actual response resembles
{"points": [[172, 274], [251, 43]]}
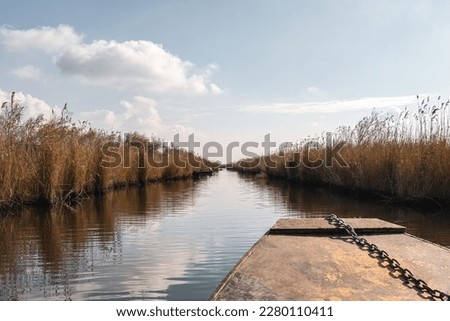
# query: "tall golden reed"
{"points": [[398, 156], [56, 160]]}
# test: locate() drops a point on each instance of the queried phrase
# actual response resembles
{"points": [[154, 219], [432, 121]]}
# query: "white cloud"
{"points": [[331, 106], [140, 114], [141, 65], [27, 72], [215, 89], [32, 106], [143, 111], [129, 64], [47, 39]]}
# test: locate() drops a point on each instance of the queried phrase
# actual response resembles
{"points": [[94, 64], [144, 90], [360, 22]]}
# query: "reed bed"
{"points": [[56, 160], [404, 156]]}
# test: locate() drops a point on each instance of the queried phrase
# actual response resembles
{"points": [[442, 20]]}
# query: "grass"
{"points": [[56, 160], [400, 157]]}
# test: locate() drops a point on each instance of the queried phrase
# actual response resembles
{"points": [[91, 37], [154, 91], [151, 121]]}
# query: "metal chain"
{"points": [[405, 274]]}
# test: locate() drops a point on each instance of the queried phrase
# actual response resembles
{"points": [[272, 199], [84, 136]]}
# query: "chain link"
{"points": [[405, 274]]}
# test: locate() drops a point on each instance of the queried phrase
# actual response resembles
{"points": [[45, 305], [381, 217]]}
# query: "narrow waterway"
{"points": [[169, 241]]}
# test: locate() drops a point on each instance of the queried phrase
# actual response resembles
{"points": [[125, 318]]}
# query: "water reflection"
{"points": [[432, 225], [49, 253], [171, 241]]}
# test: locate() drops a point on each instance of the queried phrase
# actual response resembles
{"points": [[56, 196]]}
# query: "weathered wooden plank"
{"points": [[321, 226]]}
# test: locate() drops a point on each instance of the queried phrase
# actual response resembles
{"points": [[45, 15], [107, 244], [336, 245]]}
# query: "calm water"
{"points": [[171, 241]]}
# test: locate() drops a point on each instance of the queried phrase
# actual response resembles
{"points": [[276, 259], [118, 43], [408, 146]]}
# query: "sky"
{"points": [[223, 70]]}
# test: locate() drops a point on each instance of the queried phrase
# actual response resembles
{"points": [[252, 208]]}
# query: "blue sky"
{"points": [[224, 70]]}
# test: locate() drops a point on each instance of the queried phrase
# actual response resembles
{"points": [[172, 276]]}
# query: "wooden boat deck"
{"points": [[309, 259]]}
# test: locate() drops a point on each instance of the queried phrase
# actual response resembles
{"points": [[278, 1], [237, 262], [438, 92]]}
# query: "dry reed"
{"points": [[56, 160], [403, 156]]}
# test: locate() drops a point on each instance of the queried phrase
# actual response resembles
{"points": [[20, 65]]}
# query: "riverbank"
{"points": [[57, 160], [404, 158]]}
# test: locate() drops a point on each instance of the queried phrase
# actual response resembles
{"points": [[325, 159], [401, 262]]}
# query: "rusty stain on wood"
{"points": [[301, 265]]}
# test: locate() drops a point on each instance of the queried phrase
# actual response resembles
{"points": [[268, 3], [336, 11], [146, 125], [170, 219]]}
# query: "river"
{"points": [[166, 241]]}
